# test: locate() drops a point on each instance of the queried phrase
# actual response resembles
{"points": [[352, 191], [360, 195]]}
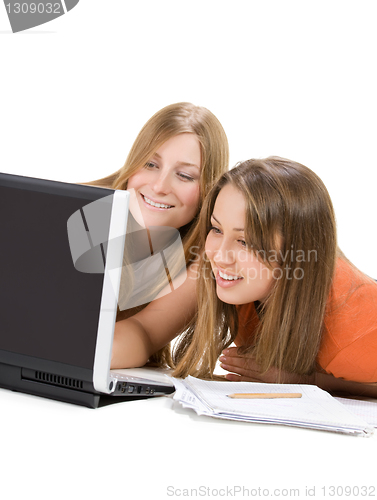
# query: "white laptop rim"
{"points": [[103, 381]]}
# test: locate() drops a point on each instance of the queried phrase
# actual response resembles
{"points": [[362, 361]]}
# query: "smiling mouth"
{"points": [[152, 203], [229, 277]]}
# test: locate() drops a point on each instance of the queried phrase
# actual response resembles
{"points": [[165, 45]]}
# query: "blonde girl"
{"points": [[174, 161], [273, 280]]}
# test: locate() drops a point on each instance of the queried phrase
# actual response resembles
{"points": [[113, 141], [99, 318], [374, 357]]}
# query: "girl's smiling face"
{"points": [[167, 187], [240, 276]]}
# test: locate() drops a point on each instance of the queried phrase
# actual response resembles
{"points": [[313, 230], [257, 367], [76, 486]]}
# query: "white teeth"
{"points": [[229, 277], [158, 205]]}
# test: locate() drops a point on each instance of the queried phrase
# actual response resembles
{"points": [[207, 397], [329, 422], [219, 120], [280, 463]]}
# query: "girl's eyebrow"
{"points": [[186, 164], [234, 229], [213, 217], [182, 163]]}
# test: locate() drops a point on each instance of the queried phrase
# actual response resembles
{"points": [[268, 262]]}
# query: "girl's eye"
{"points": [[185, 177], [215, 230], [243, 243], [150, 164]]}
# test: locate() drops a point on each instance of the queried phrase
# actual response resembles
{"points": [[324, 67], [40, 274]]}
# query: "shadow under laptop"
{"points": [[110, 400]]}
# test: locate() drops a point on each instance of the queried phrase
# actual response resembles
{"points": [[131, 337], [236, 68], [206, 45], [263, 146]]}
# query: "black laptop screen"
{"points": [[48, 309]]}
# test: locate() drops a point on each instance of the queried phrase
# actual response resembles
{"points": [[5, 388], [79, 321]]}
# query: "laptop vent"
{"points": [[58, 380]]}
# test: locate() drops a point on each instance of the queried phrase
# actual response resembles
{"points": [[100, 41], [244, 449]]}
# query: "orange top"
{"points": [[349, 342]]}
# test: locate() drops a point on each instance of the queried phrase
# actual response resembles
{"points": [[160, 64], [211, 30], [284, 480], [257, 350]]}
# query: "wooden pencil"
{"points": [[265, 395]]}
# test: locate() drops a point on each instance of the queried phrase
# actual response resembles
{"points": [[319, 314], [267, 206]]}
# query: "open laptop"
{"points": [[61, 254]]}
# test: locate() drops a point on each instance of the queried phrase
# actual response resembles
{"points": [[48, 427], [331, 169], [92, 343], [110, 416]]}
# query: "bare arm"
{"points": [[244, 368], [339, 385], [145, 333]]}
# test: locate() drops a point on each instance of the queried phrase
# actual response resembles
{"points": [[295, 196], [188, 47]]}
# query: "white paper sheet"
{"points": [[316, 409]]}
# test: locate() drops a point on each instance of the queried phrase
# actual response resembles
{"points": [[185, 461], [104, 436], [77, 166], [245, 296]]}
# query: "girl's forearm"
{"points": [[131, 346], [333, 384]]}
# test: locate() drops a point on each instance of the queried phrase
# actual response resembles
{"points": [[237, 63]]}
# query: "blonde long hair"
{"points": [[288, 209], [170, 121]]}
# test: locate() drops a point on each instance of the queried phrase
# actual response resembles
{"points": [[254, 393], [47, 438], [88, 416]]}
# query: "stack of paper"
{"points": [[365, 408], [316, 409]]}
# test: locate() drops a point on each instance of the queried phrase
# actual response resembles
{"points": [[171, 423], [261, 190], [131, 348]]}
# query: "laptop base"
{"points": [[11, 378], [31, 382]]}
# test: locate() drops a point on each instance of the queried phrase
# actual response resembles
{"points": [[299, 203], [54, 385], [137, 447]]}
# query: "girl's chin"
{"points": [[233, 297], [227, 295], [146, 220]]}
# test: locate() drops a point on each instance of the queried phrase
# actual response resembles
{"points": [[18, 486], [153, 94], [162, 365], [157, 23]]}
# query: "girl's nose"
{"points": [[162, 184], [224, 255]]}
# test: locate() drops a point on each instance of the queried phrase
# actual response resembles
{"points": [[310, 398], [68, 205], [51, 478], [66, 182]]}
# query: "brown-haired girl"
{"points": [[273, 280], [176, 158]]}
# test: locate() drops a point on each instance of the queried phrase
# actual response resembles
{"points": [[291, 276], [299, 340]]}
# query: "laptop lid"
{"points": [[56, 317], [61, 264]]}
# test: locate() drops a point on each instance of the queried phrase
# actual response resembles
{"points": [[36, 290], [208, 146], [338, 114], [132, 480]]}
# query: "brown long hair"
{"points": [[288, 214]]}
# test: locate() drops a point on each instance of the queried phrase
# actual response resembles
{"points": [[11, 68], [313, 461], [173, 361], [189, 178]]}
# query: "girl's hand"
{"points": [[244, 368]]}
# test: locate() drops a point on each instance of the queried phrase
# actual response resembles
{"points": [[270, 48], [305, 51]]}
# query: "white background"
{"points": [[290, 78]]}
